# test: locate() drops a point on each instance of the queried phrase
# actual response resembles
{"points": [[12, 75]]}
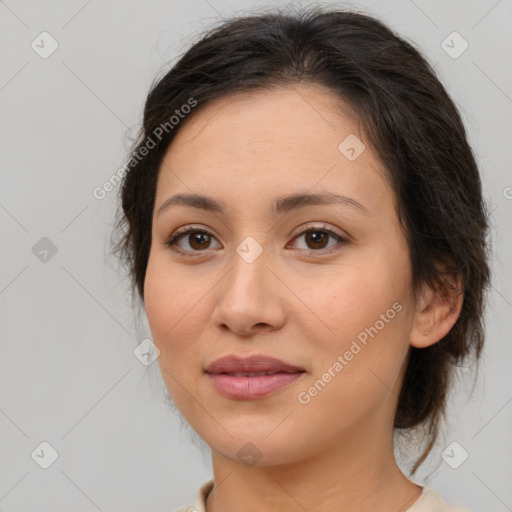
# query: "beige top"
{"points": [[429, 501]]}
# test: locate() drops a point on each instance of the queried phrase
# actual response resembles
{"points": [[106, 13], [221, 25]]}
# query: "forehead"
{"points": [[267, 140], [297, 115]]}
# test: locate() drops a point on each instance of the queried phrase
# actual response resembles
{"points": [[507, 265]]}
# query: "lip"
{"points": [[250, 387], [251, 364]]}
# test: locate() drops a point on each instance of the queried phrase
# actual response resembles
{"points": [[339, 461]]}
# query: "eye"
{"points": [[191, 240], [316, 239]]}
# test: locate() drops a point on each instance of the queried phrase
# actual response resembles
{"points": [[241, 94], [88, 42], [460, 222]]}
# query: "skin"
{"points": [[336, 451]]}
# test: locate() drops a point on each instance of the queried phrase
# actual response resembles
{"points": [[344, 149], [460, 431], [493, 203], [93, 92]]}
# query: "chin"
{"points": [[257, 452], [270, 447]]}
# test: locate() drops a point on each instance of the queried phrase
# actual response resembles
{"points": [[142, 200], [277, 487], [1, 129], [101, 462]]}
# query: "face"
{"points": [[320, 283]]}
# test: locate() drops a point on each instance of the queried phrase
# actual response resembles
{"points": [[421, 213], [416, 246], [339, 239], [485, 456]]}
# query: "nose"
{"points": [[249, 299]]}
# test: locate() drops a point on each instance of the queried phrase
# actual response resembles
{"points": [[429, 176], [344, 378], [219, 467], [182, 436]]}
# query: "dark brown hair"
{"points": [[407, 117]]}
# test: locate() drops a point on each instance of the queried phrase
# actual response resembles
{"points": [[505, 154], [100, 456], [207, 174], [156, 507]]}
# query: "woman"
{"points": [[302, 218]]}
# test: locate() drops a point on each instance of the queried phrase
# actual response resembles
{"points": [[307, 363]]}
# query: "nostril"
{"points": [[260, 324]]}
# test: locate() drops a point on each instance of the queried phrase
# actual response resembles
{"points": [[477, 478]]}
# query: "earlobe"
{"points": [[436, 315]]}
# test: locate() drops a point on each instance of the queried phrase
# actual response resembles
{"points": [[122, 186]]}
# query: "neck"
{"points": [[357, 475]]}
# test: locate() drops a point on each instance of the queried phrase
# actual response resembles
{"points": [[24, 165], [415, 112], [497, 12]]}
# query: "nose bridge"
{"points": [[247, 276], [246, 298]]}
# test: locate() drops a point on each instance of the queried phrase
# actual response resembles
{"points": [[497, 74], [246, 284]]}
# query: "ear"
{"points": [[436, 313]]}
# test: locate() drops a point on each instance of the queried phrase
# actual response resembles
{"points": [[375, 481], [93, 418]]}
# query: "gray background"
{"points": [[68, 374]]}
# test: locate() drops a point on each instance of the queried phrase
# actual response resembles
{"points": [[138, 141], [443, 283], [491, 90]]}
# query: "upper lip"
{"points": [[254, 363]]}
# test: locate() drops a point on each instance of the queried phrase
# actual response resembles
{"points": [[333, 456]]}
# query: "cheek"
{"points": [[176, 312], [352, 298], [362, 318], [172, 298]]}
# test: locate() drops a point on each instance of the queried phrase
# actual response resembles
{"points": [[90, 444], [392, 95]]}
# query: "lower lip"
{"points": [[251, 387]]}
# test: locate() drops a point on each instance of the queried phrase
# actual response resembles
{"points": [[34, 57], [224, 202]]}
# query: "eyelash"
{"points": [[175, 237]]}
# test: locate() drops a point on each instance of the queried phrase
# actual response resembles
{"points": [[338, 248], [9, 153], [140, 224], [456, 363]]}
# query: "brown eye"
{"points": [[317, 239], [192, 240], [199, 241]]}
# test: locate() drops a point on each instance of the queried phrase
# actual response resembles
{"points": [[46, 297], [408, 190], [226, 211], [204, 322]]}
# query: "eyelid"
{"points": [[187, 228], [309, 226]]}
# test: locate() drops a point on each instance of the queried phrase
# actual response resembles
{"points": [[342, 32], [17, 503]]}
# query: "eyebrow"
{"points": [[282, 204]]}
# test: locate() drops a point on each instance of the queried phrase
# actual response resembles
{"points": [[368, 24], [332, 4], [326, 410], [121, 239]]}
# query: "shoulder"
{"points": [[431, 501], [199, 504]]}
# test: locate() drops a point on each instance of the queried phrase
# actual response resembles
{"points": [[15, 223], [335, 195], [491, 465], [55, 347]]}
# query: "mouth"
{"points": [[250, 374], [252, 377]]}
